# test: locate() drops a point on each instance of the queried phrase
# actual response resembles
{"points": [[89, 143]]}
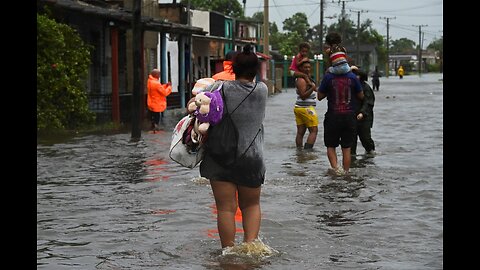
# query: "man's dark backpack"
{"points": [[222, 138]]}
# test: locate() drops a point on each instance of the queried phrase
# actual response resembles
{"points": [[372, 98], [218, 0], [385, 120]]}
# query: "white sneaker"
{"points": [[339, 171], [336, 171]]}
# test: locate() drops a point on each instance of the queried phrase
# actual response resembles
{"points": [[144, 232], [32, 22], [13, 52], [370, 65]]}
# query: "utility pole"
{"points": [[358, 34], [420, 48], [244, 3], [321, 26], [265, 28], [343, 16], [387, 69], [343, 20], [190, 48], [137, 66]]}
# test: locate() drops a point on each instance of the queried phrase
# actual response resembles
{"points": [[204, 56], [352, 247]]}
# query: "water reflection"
{"points": [[341, 188], [362, 161], [156, 169], [306, 155]]}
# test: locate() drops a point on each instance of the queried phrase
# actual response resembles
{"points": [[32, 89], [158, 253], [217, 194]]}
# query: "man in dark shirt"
{"points": [[365, 116], [343, 93], [375, 79]]}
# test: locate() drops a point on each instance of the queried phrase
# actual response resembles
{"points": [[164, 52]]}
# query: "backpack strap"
{"points": [[225, 103], [260, 129]]}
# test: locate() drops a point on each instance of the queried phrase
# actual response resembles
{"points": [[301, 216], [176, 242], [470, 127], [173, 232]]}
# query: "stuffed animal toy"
{"points": [[199, 87], [209, 110]]}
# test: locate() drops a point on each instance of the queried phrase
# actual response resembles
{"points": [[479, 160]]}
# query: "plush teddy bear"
{"points": [[200, 86], [209, 110]]}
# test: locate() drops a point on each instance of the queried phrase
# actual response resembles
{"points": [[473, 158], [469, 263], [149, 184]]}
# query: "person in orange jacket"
{"points": [[227, 73], [156, 97]]}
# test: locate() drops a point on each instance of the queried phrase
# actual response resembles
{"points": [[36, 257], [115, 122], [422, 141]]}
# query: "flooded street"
{"points": [[104, 202]]}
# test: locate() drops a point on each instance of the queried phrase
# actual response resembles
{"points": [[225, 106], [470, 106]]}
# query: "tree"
{"points": [[227, 7], [289, 43], [436, 44], [403, 45], [258, 16], [313, 36], [62, 65], [346, 28], [275, 36], [297, 23]]}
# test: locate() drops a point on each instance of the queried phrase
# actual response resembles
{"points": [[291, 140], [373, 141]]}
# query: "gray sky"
{"points": [[405, 15]]}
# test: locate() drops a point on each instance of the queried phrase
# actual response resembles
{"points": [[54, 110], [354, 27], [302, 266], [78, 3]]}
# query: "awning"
{"points": [[122, 17]]}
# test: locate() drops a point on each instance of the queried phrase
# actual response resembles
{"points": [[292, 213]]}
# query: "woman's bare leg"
{"points": [[249, 202], [226, 201]]}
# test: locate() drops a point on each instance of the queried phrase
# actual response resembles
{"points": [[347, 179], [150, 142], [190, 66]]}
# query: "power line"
{"points": [[420, 47], [358, 32]]}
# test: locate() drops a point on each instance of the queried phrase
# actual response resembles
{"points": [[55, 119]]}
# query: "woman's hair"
{"points": [[245, 63]]}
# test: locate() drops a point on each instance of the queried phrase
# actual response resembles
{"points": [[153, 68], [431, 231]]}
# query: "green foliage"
{"points": [[403, 45], [275, 37], [62, 65], [258, 16], [433, 67], [289, 43], [437, 44], [346, 28], [297, 23], [227, 7]]}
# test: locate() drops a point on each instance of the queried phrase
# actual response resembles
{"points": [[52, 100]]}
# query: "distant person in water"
{"points": [[376, 79], [400, 72]]}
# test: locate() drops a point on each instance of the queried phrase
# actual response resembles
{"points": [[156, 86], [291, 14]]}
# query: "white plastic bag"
{"points": [[185, 155]]}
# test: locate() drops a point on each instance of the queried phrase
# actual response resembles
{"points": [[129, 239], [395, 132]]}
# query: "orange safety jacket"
{"points": [[157, 94], [227, 73]]}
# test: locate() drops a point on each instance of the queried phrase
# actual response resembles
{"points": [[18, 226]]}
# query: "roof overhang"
{"points": [[122, 17]]}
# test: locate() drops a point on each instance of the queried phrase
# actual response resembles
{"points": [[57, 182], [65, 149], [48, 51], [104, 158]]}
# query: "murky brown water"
{"points": [[106, 203]]}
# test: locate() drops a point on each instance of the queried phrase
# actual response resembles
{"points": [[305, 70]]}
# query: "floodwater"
{"points": [[104, 202]]}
